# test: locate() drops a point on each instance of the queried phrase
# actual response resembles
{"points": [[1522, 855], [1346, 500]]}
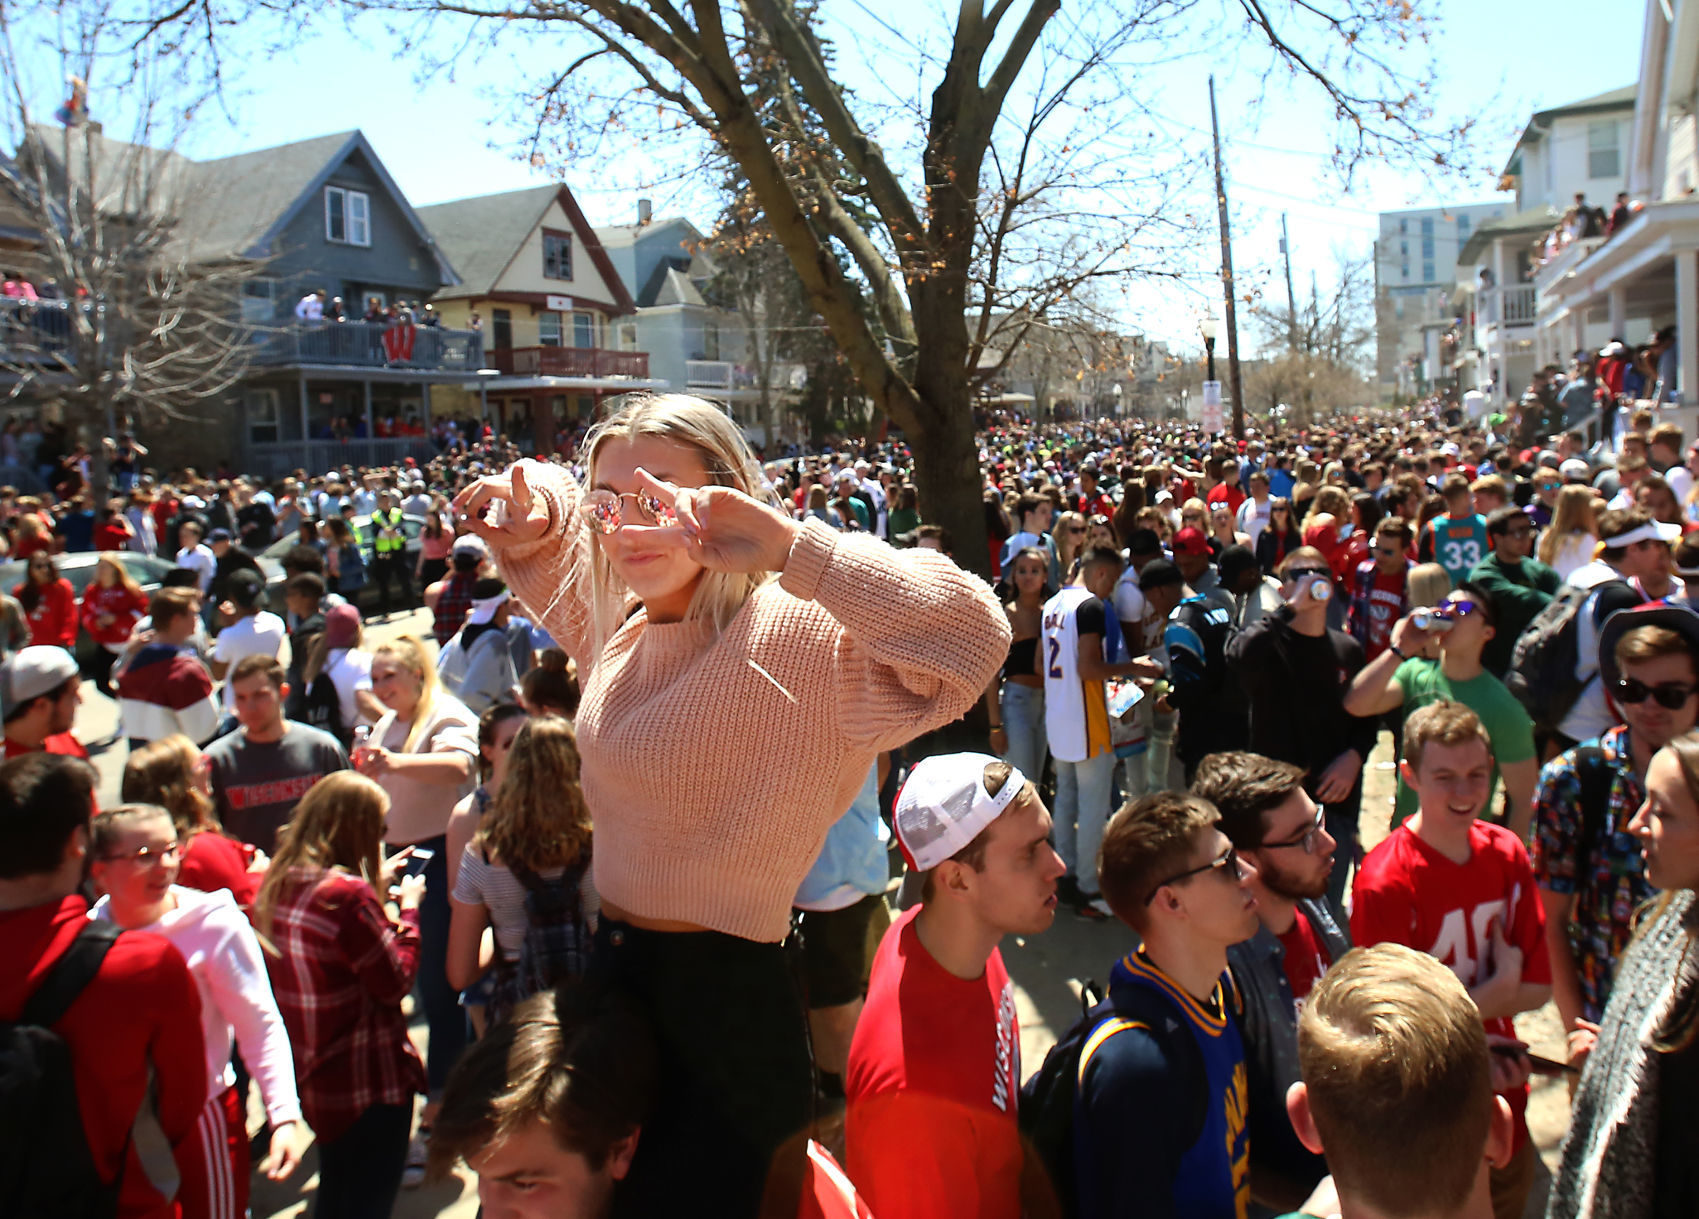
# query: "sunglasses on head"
{"points": [[1670, 695]]}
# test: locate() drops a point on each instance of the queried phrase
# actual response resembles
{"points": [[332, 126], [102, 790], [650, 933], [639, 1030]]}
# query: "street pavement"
{"points": [[1047, 971]]}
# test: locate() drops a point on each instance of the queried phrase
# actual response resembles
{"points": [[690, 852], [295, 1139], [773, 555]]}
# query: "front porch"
{"points": [[1643, 278]]}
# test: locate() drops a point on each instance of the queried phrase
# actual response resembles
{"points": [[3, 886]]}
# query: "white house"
{"points": [[1570, 152], [1647, 275]]}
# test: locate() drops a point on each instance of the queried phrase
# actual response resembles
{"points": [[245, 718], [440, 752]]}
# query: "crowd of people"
{"points": [[619, 825]]}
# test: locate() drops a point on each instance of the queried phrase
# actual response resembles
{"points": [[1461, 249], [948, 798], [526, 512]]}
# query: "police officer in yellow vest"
{"points": [[389, 557]]}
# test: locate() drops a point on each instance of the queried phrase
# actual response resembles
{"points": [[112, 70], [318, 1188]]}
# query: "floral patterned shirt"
{"points": [[1610, 884]]}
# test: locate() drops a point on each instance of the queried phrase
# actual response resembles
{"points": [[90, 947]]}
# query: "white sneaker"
{"points": [[1102, 907], [413, 1175]]}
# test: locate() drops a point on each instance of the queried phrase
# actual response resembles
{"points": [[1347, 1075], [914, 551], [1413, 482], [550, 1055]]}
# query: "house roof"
{"points": [[1529, 220], [483, 234], [1599, 103], [235, 207], [616, 236]]}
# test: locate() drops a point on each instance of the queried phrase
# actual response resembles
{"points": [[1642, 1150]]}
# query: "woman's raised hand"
{"points": [[519, 515], [722, 528]]}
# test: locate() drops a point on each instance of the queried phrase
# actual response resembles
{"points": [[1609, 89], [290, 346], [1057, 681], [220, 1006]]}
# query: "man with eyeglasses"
{"points": [[1519, 584], [1163, 1099], [1279, 830], [1591, 871], [1461, 890], [1399, 677]]}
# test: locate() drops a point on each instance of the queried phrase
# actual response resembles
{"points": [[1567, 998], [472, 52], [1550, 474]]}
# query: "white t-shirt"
{"points": [[1680, 481], [258, 634], [349, 670], [1254, 517], [201, 560]]}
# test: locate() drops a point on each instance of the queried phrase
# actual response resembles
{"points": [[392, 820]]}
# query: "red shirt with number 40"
{"points": [[1408, 893]]}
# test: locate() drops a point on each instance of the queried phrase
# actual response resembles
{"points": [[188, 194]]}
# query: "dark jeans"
{"points": [[443, 1013], [100, 668], [391, 568], [360, 1171], [737, 1076]]}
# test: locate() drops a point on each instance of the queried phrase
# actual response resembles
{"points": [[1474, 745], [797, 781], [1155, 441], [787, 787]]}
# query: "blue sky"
{"points": [[449, 137]]}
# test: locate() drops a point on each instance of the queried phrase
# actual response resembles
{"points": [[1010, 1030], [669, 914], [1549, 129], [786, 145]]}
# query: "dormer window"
{"points": [[347, 216], [557, 255]]}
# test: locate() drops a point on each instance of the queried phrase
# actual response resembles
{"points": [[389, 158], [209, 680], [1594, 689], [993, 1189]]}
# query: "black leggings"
{"points": [[360, 1169], [736, 1073]]}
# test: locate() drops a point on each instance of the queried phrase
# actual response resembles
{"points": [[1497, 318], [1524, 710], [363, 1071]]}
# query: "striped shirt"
{"points": [[339, 974], [499, 891]]}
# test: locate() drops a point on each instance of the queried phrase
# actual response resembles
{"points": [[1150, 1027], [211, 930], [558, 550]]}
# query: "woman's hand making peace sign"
{"points": [[721, 528]]}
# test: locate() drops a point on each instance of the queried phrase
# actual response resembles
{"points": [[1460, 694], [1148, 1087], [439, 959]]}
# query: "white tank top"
{"points": [[1076, 711]]}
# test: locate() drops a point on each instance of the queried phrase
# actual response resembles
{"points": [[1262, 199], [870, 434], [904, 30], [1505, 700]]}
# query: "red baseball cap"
{"points": [[1191, 540]]}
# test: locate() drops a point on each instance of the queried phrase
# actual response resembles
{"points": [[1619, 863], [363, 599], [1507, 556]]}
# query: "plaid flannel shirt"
{"points": [[339, 975]]}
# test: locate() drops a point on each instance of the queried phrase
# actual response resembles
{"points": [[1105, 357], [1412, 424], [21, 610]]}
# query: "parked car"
{"points": [[271, 561], [78, 568]]}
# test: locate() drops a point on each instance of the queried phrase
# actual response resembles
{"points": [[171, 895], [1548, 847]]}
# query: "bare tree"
{"points": [[133, 325]]}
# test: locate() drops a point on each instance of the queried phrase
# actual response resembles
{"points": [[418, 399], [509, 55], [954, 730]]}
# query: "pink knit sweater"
{"points": [[714, 765]]}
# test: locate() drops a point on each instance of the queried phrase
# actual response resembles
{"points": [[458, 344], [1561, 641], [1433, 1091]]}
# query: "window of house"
{"points": [[1427, 226], [628, 336], [263, 418], [1427, 272], [1604, 156], [710, 341], [347, 216], [1403, 225], [501, 327], [583, 329], [259, 299], [1462, 230], [557, 255], [548, 329]]}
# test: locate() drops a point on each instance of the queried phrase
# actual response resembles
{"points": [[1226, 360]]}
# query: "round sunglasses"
{"points": [[602, 509]]}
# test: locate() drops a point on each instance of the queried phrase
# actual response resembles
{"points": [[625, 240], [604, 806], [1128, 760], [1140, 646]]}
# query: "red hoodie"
{"points": [[142, 1007], [53, 621], [126, 608]]}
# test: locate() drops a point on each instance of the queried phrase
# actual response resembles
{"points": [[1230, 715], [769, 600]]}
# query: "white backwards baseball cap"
{"points": [[943, 806]]}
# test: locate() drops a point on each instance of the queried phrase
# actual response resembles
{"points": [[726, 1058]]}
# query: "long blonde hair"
{"points": [[709, 432], [1573, 514], [338, 824], [162, 772], [409, 652], [1329, 498], [538, 818]]}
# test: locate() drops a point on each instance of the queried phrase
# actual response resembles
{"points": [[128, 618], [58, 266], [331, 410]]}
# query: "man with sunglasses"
{"points": [[1162, 1104], [1398, 678], [1380, 592], [1590, 869], [1519, 584], [1279, 830], [1295, 670]]}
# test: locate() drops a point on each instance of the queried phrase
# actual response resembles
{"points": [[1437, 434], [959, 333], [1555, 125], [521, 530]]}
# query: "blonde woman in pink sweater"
{"points": [[740, 670]]}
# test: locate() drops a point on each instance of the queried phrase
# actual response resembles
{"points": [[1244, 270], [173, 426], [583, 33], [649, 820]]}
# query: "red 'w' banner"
{"points": [[398, 342]]}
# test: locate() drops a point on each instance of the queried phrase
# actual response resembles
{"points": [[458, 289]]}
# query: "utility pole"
{"points": [[1227, 275], [1291, 300]]}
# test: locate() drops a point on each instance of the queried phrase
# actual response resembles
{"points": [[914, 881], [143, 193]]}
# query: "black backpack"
{"points": [[557, 943], [1542, 666], [1046, 1112], [46, 1168], [322, 708]]}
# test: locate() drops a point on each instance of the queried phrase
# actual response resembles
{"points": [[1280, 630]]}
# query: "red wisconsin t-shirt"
{"points": [[933, 1076], [1305, 960], [1386, 606], [1408, 893]]}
